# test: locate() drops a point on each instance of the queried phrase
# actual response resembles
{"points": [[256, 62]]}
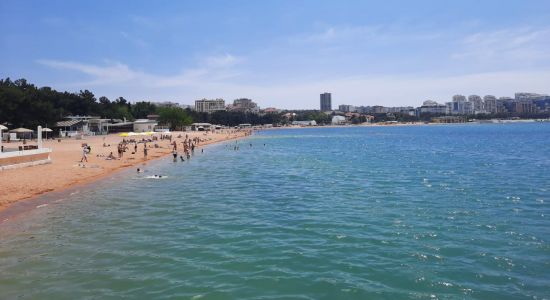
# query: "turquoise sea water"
{"points": [[427, 212]]}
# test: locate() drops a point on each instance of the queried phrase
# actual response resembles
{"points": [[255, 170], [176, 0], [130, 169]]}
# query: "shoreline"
{"points": [[30, 198]]}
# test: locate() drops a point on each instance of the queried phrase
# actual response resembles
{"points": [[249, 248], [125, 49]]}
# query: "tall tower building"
{"points": [[326, 102]]}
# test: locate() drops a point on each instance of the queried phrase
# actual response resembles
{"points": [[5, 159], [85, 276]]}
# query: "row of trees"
{"points": [[25, 105]]}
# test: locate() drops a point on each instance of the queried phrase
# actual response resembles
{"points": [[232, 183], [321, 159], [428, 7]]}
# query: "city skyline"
{"points": [[278, 53]]}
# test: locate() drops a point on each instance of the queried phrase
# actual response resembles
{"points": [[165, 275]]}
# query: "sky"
{"points": [[279, 53]]}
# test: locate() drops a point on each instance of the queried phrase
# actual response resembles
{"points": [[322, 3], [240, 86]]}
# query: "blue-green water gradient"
{"points": [[419, 212]]}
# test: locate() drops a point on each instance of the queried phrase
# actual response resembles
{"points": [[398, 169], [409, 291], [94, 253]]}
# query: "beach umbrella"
{"points": [[2, 127], [46, 130], [22, 130]]}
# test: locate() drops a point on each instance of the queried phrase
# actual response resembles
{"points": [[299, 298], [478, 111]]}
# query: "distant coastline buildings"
{"points": [[209, 105], [522, 103], [326, 102], [244, 105]]}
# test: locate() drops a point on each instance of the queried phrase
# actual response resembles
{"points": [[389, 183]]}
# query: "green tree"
{"points": [[140, 110], [174, 117]]}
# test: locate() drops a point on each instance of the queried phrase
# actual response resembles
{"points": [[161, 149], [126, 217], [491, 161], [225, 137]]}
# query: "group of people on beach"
{"points": [[188, 143]]}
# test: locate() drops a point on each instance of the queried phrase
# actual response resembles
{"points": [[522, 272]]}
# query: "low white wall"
{"points": [[25, 152]]}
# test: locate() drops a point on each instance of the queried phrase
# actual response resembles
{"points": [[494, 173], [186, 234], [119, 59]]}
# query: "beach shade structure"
{"points": [[46, 131], [24, 132], [2, 128]]}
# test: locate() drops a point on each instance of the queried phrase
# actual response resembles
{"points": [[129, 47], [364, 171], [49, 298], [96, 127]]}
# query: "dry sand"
{"points": [[66, 170]]}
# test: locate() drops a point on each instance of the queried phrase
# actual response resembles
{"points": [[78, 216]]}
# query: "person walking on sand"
{"points": [[145, 151], [84, 154]]}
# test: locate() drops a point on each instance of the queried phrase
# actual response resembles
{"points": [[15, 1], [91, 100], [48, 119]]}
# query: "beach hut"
{"points": [[22, 132]]}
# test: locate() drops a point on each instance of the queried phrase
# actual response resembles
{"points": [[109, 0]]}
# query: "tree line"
{"points": [[23, 104]]}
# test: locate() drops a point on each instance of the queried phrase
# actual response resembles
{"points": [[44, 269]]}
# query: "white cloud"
{"points": [[135, 40], [508, 60], [507, 46], [211, 69], [409, 89], [113, 73], [377, 34], [222, 61], [401, 90]]}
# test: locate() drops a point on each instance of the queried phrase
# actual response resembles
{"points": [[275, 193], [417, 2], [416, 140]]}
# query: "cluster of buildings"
{"points": [[326, 106], [241, 105], [522, 103], [91, 125]]}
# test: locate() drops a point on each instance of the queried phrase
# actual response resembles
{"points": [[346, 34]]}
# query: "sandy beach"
{"points": [[66, 170]]}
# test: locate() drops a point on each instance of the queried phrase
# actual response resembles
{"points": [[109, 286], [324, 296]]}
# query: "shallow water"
{"points": [[424, 212]]}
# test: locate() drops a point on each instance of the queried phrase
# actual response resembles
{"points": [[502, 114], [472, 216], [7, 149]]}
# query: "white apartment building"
{"points": [[209, 106]]}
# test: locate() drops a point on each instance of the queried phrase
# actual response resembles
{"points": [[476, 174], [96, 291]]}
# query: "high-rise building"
{"points": [[432, 107], [490, 103], [460, 106], [347, 108], [244, 105], [326, 102], [209, 106], [506, 105], [477, 104], [528, 96]]}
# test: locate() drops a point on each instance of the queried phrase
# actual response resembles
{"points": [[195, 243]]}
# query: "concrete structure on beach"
{"points": [[25, 155]]}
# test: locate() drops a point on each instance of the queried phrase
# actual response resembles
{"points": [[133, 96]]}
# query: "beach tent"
{"points": [[46, 130], [26, 133]]}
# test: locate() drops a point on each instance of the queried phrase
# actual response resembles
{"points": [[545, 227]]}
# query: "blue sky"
{"points": [[279, 53]]}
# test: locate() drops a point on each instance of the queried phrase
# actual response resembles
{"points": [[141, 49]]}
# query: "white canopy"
{"points": [[21, 130]]}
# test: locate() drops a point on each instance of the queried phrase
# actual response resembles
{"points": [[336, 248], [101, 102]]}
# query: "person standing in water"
{"points": [[175, 155]]}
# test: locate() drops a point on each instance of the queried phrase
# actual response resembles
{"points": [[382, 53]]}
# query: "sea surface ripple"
{"points": [[418, 212]]}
